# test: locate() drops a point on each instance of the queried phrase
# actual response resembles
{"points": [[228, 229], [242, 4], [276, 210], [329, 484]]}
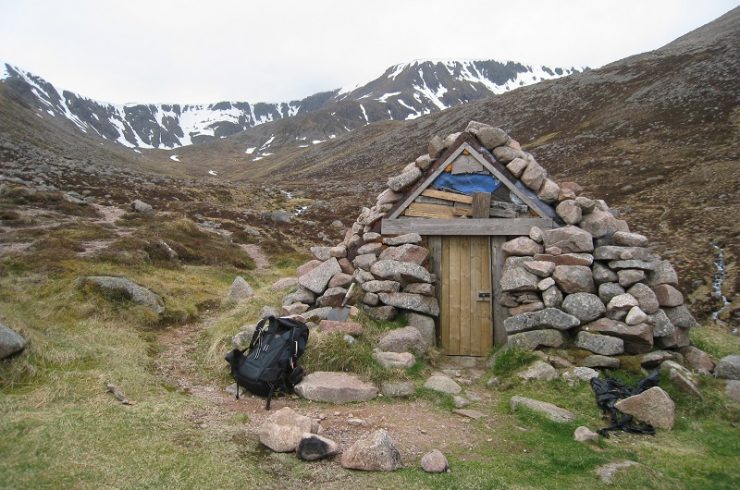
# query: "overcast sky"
{"points": [[206, 51]]}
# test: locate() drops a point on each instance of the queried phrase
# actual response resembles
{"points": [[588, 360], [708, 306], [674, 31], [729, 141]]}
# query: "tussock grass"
{"points": [[507, 361]]}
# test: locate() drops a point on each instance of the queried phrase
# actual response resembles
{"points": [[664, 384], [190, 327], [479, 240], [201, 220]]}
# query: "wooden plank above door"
{"points": [[452, 226]]}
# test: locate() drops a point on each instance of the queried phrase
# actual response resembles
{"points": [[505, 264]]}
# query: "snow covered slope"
{"points": [[404, 91]]}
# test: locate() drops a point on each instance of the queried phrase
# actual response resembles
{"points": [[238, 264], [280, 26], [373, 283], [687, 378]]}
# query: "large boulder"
{"points": [[406, 253], [652, 406], [568, 239], [300, 295], [600, 223], [539, 371], [120, 287], [728, 367], [489, 136], [372, 452], [442, 384], [400, 271], [140, 206], [394, 360], [517, 279], [414, 238], [552, 412], [646, 298], [405, 180], [663, 273], [600, 344], [542, 319], [317, 279], [613, 252], [638, 339], [569, 211], [668, 296], [333, 387], [521, 246], [11, 342], [283, 430], [350, 328], [403, 340], [698, 359], [414, 302], [434, 462], [425, 325], [574, 279], [240, 290], [584, 306], [384, 286], [681, 317], [536, 338]]}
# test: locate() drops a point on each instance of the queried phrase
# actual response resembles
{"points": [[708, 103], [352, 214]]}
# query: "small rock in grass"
{"points": [[434, 462], [584, 434]]}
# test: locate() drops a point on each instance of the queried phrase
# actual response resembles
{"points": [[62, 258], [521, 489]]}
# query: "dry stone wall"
{"points": [[589, 283]]}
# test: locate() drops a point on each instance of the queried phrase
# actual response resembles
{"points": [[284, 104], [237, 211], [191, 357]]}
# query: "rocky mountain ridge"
{"points": [[404, 91]]}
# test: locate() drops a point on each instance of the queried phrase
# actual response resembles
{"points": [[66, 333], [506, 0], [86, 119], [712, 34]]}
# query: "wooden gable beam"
{"points": [[503, 174], [438, 168]]}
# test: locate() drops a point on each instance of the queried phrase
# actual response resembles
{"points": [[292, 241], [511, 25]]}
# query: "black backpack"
{"points": [[271, 365]]}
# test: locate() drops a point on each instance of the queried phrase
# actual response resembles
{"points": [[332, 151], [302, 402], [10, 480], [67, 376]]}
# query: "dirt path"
{"points": [[257, 255], [415, 425]]}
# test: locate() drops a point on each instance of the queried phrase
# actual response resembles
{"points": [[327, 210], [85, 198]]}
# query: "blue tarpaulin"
{"points": [[466, 183]]}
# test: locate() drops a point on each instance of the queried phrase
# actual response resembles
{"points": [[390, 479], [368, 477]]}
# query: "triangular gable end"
{"points": [[481, 156]]}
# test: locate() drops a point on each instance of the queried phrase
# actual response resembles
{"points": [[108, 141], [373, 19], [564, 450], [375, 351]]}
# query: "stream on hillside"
{"points": [[719, 278]]}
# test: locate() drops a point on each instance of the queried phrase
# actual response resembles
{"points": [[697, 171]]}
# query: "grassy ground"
{"points": [[61, 429]]}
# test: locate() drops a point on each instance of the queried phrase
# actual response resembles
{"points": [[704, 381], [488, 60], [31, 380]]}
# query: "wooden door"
{"points": [[466, 296]]}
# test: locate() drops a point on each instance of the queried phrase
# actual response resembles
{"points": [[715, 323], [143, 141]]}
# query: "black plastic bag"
{"points": [[609, 391]]}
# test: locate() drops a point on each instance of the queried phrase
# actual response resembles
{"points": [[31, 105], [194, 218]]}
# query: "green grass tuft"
{"points": [[509, 360]]}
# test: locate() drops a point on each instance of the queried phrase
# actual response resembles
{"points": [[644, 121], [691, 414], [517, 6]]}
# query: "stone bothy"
{"points": [[482, 247]]}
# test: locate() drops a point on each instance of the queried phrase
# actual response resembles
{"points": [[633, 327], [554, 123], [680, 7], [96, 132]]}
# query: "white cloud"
{"points": [[183, 51]]}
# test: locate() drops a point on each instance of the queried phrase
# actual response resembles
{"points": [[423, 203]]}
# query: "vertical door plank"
{"points": [[475, 287], [455, 286], [445, 304], [465, 296]]}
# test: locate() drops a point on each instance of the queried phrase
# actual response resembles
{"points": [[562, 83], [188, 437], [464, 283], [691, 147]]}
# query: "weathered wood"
{"points": [[462, 210], [502, 213], [431, 200], [477, 313], [518, 208], [499, 312], [395, 213], [465, 164], [448, 196], [454, 292], [466, 323], [465, 317], [434, 244], [481, 204], [441, 226], [422, 210]]}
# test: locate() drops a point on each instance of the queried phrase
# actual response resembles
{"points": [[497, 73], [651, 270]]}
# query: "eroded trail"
{"points": [[416, 426]]}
